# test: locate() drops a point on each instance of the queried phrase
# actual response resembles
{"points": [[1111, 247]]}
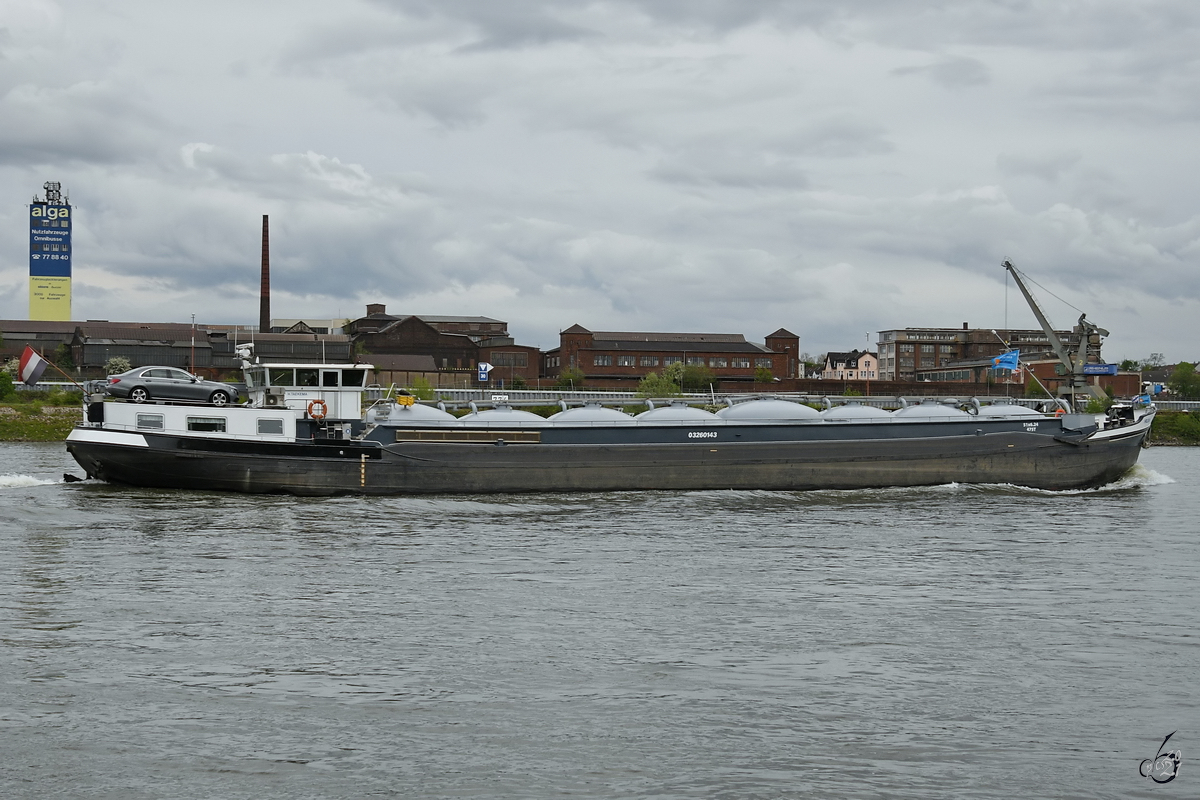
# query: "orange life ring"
{"points": [[1059, 412], [317, 409]]}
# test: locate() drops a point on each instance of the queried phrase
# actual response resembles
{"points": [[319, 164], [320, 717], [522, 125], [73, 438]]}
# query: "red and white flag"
{"points": [[31, 366]]}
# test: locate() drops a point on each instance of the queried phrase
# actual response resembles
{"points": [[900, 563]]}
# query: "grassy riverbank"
{"points": [[1176, 428], [38, 421]]}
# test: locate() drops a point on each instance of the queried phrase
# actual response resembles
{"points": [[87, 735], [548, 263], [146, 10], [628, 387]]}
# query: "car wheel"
{"points": [[220, 399], [139, 395]]}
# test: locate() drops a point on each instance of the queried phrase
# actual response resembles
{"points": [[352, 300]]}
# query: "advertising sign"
{"points": [[49, 298], [1099, 369], [50, 261]]}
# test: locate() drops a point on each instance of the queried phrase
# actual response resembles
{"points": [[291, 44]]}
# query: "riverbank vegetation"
{"points": [[37, 416], [35, 422], [1176, 427]]}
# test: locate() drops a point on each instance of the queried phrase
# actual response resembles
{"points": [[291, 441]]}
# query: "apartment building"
{"points": [[905, 352]]}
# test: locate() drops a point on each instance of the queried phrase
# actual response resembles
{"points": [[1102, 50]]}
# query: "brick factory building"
{"points": [[455, 343], [625, 357]]}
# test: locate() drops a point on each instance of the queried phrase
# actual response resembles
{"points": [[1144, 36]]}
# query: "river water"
{"points": [[956, 642]]}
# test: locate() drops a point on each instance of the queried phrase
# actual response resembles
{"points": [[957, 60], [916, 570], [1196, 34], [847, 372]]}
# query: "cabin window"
{"points": [[306, 377], [283, 377], [150, 422], [206, 424], [270, 427], [353, 377], [329, 378]]}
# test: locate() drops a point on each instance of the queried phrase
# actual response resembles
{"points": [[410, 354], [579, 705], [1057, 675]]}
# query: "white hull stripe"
{"points": [[92, 436]]}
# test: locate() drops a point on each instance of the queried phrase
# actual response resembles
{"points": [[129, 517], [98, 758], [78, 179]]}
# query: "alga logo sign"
{"points": [[50, 212]]}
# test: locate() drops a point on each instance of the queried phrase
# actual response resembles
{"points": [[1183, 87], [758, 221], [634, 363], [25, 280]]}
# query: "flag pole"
{"points": [[65, 375], [1039, 383]]}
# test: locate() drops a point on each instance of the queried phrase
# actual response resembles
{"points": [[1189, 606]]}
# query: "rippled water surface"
{"points": [[957, 641]]}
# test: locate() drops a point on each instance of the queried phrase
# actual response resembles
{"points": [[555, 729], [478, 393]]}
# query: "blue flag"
{"points": [[1007, 360]]}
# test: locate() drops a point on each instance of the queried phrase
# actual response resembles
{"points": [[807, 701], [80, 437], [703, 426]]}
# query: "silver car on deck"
{"points": [[168, 383]]}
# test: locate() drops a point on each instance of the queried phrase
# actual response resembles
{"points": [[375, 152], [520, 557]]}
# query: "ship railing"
{"points": [[491, 398]]}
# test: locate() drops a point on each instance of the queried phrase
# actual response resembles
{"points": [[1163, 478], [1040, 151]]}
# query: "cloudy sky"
{"points": [[831, 167]]}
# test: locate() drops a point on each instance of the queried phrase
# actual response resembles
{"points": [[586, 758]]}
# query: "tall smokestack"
{"points": [[264, 302]]}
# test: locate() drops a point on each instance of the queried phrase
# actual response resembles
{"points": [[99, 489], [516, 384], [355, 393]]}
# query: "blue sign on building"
{"points": [[1099, 369], [49, 240]]}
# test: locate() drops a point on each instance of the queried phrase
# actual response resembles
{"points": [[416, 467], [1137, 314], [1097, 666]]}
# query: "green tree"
{"points": [[421, 388], [698, 378], [6, 385], [62, 357], [655, 385], [1185, 382], [1129, 365], [1034, 389], [763, 375], [690, 377], [811, 363], [116, 365], [519, 382], [570, 378]]}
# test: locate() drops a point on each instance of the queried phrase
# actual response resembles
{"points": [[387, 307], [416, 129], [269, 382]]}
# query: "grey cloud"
{"points": [[1108, 24], [1049, 167], [841, 136], [511, 24], [664, 164], [739, 171], [85, 122], [952, 72]]}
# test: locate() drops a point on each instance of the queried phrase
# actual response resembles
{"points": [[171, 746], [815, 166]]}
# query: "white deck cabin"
{"points": [[296, 386], [218, 422]]}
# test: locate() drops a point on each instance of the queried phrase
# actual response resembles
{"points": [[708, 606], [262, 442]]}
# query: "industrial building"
{"points": [[909, 354], [457, 344], [625, 357]]}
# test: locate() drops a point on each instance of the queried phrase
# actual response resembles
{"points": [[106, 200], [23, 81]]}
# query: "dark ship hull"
{"points": [[1044, 454]]}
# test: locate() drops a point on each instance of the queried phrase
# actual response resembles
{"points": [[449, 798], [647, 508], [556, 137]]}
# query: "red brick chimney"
{"points": [[264, 297]]}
